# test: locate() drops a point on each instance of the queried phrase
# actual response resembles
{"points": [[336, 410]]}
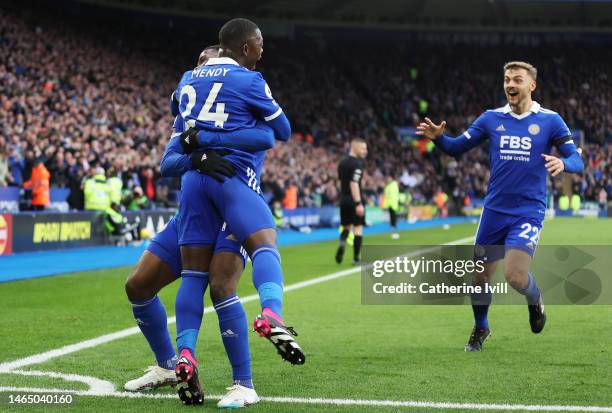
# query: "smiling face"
{"points": [[518, 85]]}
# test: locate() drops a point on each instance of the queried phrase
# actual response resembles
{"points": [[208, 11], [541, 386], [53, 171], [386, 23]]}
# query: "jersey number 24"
{"points": [[206, 115]]}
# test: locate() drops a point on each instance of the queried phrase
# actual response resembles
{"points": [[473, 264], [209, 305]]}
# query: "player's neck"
{"points": [[522, 106], [231, 55]]}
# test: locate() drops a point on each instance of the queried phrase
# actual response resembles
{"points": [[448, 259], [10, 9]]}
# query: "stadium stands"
{"points": [[77, 101]]}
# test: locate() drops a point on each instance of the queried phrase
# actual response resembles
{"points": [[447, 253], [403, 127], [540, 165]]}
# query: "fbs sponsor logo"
{"points": [[515, 148]]}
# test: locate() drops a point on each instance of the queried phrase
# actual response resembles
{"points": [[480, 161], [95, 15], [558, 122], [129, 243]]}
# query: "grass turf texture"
{"points": [[353, 351]]}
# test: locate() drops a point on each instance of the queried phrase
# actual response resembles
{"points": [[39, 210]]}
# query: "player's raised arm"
{"points": [[469, 139], [267, 110]]}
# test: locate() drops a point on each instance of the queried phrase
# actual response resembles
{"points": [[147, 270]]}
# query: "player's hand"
{"points": [[189, 140], [359, 210], [212, 163], [553, 165], [430, 130]]}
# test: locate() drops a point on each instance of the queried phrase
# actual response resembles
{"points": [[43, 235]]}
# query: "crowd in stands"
{"points": [[76, 100]]}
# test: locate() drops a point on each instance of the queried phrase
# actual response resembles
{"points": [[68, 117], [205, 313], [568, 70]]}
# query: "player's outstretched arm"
{"points": [[452, 146], [259, 138]]}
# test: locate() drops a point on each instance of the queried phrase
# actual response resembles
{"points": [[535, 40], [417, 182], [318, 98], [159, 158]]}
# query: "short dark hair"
{"points": [[235, 33], [533, 72]]}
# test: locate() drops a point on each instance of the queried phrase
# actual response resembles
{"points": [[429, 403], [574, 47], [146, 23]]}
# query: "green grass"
{"points": [[353, 351]]}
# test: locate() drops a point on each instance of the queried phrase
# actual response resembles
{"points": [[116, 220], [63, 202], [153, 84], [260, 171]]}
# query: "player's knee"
{"points": [[265, 236], [221, 287], [516, 277], [219, 290], [480, 278], [136, 287]]}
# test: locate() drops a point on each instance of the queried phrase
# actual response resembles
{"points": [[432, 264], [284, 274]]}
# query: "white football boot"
{"points": [[238, 396], [154, 377]]}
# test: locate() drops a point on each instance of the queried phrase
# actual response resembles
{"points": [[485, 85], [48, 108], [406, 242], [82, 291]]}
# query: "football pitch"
{"points": [[75, 333]]}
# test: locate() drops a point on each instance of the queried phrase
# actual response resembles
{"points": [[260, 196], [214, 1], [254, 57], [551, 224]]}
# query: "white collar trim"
{"points": [[535, 108], [221, 61]]}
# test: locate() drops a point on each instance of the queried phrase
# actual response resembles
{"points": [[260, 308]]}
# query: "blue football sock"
{"points": [[190, 308], [234, 333], [153, 322], [480, 307], [531, 292], [268, 277]]}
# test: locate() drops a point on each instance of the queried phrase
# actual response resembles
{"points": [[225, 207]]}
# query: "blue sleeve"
{"points": [[471, 138], [174, 162], [562, 139], [266, 109], [559, 129], [571, 158], [256, 139]]}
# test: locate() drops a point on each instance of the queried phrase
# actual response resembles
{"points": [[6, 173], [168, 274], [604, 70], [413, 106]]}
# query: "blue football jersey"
{"points": [[186, 76], [224, 96], [517, 185], [252, 173]]}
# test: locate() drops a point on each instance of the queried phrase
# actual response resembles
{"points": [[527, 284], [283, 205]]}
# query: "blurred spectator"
{"points": [[39, 185], [5, 175], [96, 191], [136, 200], [115, 186]]}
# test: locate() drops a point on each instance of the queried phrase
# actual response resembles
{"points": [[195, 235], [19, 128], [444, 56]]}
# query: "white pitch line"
{"points": [[94, 342], [338, 402], [101, 386]]}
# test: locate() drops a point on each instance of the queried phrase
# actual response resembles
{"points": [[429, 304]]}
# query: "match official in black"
{"points": [[352, 210]]}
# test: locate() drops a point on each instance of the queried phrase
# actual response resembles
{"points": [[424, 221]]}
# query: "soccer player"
{"points": [[352, 211], [521, 135], [160, 265], [227, 95]]}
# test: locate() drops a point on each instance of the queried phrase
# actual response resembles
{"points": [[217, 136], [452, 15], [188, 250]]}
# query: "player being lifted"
{"points": [[226, 95], [521, 135], [161, 264], [352, 211]]}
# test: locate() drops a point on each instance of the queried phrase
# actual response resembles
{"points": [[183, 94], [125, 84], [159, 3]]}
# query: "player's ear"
{"points": [[533, 85], [245, 49]]}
